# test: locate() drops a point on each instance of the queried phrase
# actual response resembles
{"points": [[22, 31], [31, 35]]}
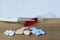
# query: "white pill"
{"points": [[11, 33], [6, 32], [27, 32], [19, 31]]}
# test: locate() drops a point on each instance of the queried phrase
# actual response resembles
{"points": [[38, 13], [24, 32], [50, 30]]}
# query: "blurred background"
{"points": [[30, 8]]}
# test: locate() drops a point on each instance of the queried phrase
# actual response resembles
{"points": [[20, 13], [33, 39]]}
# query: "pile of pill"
{"points": [[9, 32], [37, 31]]}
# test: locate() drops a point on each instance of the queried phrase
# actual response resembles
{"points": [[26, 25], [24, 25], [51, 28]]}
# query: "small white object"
{"points": [[19, 31], [6, 32], [9, 33], [27, 32]]}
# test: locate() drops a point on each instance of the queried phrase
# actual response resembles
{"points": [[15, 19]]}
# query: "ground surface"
{"points": [[51, 26]]}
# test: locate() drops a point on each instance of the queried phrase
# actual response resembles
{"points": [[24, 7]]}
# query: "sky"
{"points": [[30, 8]]}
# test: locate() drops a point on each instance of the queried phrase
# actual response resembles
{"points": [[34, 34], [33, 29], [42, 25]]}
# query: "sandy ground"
{"points": [[51, 26]]}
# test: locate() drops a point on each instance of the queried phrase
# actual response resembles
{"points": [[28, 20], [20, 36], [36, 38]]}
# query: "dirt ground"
{"points": [[50, 25]]}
